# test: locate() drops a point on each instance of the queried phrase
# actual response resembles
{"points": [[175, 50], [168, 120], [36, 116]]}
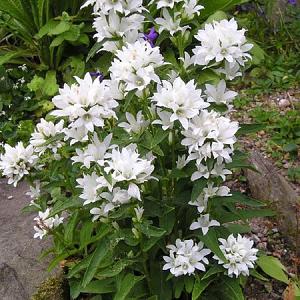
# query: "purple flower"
{"points": [[292, 2], [97, 74], [151, 37]]}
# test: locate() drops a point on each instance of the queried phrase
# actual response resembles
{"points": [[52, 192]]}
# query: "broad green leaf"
{"points": [[231, 290], [257, 275], [189, 283], [70, 227], [273, 267], [200, 286], [211, 241], [250, 128], [150, 230], [198, 187], [128, 282], [210, 6], [80, 266], [179, 286], [50, 25], [212, 271], [217, 16], [50, 86], [116, 268], [86, 232], [61, 27], [99, 287], [98, 255], [65, 204]]}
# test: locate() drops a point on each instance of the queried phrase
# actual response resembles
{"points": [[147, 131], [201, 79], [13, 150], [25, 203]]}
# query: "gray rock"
{"points": [[10, 286], [18, 249], [268, 185]]}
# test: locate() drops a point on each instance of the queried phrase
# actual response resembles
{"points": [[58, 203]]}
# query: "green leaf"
{"points": [[200, 286], [290, 147], [99, 287], [198, 187], [82, 265], [257, 275], [217, 16], [250, 128], [98, 255], [6, 58], [86, 232], [212, 271], [238, 228], [115, 269], [179, 286], [61, 27], [150, 230], [273, 267], [128, 282], [189, 283], [65, 204], [210, 6], [211, 241], [70, 227], [50, 86], [231, 289]]}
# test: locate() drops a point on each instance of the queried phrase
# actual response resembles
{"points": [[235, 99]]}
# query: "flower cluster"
{"points": [[239, 253], [44, 223], [141, 132], [86, 104], [17, 161], [222, 42], [135, 65], [185, 257]]}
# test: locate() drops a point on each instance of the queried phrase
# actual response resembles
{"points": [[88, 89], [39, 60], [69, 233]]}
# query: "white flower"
{"points": [[43, 132], [91, 184], [210, 135], [240, 254], [217, 171], [204, 223], [165, 3], [191, 7], [231, 70], [211, 191], [169, 24], [76, 135], [185, 257], [222, 41], [35, 190], [117, 6], [181, 162], [86, 104], [164, 120], [122, 29], [99, 212], [187, 60], [94, 152], [135, 125], [44, 223], [200, 203], [127, 165], [135, 65], [17, 161], [115, 198], [183, 99], [218, 94], [139, 213]]}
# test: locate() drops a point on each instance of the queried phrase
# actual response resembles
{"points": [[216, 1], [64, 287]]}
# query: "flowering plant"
{"points": [[126, 172]]}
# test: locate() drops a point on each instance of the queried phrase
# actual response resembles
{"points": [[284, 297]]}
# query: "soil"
{"points": [[265, 231]]}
